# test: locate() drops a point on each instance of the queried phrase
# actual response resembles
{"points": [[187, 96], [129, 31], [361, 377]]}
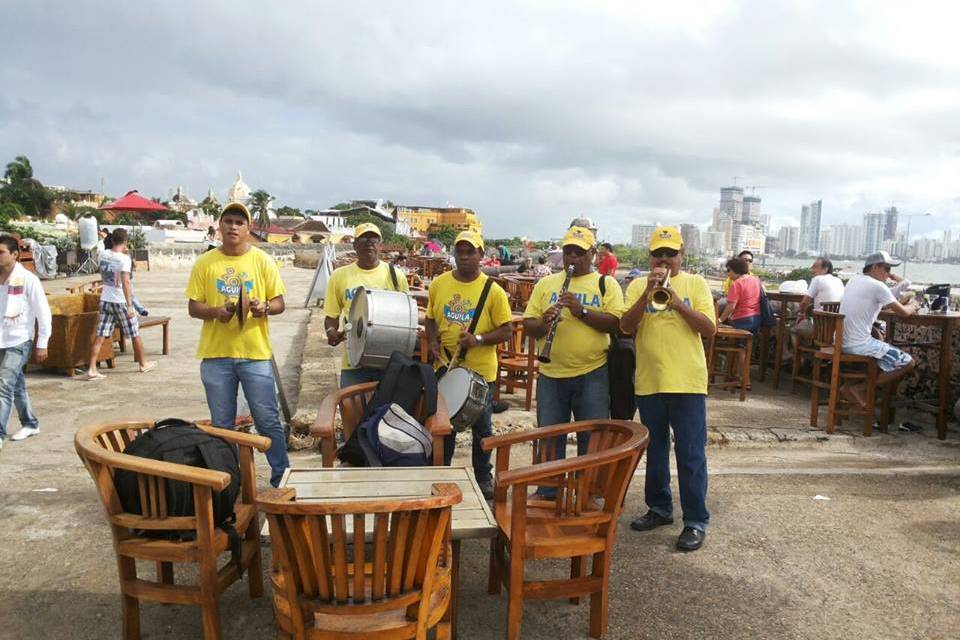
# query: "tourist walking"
{"points": [[367, 272], [234, 349], [23, 305], [671, 386]]}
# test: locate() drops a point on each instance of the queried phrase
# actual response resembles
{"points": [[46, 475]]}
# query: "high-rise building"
{"points": [[890, 223], [731, 202], [747, 237], [810, 226], [641, 235], [751, 210], [691, 237], [845, 240], [789, 240], [873, 227], [714, 243]]}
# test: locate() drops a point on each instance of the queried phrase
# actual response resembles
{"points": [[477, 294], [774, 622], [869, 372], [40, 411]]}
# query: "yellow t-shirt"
{"points": [[217, 278], [670, 356], [343, 286], [725, 286], [451, 305], [577, 347]]}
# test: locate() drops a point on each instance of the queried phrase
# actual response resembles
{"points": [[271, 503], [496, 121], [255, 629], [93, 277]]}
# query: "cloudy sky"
{"points": [[528, 112]]}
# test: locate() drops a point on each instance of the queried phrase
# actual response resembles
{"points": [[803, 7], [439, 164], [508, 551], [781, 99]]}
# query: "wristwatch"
{"points": [[583, 313], [479, 338]]}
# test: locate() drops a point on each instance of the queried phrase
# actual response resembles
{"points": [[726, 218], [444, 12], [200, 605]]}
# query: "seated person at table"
{"points": [[747, 256], [863, 299], [370, 272], [743, 297], [824, 287]]}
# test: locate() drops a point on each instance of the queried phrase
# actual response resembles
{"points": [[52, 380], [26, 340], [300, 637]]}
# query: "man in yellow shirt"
{"points": [[370, 272], [451, 305], [232, 354], [671, 386], [575, 381]]}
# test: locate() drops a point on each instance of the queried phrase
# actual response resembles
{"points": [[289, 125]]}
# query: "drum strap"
{"points": [[476, 315], [393, 277]]}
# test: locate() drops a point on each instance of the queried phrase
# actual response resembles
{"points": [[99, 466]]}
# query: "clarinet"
{"points": [[548, 343]]}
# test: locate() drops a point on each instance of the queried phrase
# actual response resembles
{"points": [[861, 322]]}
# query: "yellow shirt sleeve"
{"points": [[703, 300], [613, 298], [195, 286], [535, 303], [432, 296], [332, 307], [634, 292], [500, 312]]}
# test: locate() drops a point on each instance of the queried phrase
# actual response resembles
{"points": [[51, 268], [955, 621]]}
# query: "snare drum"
{"points": [[465, 393], [380, 323]]}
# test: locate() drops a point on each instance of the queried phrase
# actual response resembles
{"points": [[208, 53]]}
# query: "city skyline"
{"points": [[622, 111]]}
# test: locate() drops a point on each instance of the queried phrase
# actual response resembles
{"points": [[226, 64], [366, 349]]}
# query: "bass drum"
{"points": [[465, 393], [380, 322]]}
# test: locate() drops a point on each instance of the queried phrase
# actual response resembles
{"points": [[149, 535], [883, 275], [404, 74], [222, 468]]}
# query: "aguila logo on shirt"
{"points": [[586, 300], [230, 282], [458, 310]]}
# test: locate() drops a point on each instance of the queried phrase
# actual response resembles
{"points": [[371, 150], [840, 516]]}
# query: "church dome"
{"points": [[239, 191]]}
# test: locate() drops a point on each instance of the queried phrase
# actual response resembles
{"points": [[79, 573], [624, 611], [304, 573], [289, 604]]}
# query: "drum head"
{"points": [[357, 334], [454, 387]]}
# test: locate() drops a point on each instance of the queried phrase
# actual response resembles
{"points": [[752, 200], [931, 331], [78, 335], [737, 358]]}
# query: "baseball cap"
{"points": [[472, 237], [236, 207], [880, 257], [579, 236], [367, 227], [668, 237]]}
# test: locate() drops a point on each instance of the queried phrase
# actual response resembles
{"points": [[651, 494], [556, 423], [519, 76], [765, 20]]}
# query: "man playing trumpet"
{"points": [[671, 384], [575, 379]]}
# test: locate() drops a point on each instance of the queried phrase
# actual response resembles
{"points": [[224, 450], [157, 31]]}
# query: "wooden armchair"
{"points": [[101, 449], [517, 363], [326, 587], [843, 368], [352, 403], [806, 348], [580, 522]]}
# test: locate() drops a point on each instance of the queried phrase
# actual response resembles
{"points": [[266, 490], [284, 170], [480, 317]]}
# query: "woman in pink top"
{"points": [[743, 298]]}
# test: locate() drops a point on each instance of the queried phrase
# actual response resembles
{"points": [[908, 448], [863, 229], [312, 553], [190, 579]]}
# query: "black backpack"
{"points": [[181, 442], [403, 382], [621, 364]]}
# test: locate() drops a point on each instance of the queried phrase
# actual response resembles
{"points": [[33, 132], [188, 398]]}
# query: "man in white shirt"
{"points": [[824, 287], [23, 305], [863, 299]]}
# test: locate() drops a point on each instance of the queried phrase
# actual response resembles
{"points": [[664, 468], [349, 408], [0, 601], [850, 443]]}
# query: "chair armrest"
{"points": [[322, 427], [216, 480], [493, 442], [259, 443], [277, 496], [439, 423]]}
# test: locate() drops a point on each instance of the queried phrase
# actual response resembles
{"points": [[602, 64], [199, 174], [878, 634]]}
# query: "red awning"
{"points": [[133, 201]]}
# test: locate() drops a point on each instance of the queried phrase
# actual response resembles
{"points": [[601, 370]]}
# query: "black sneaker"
{"points": [[650, 521], [486, 488], [691, 539], [499, 406]]}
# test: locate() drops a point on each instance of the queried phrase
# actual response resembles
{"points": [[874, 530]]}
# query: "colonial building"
{"points": [[423, 219]]}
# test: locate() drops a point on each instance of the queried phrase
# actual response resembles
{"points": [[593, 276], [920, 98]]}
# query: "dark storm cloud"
{"points": [[528, 112]]}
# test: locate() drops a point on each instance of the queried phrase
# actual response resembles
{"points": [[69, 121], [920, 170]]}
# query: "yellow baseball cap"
{"points": [[668, 237], [236, 207], [472, 237], [367, 227], [579, 236]]}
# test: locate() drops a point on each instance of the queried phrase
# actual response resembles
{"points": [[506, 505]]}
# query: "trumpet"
{"points": [[548, 343], [662, 295]]}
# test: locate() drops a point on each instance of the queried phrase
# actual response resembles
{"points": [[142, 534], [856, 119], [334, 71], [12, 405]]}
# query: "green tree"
{"points": [[260, 207], [210, 206], [22, 189], [289, 212], [9, 211], [445, 234]]}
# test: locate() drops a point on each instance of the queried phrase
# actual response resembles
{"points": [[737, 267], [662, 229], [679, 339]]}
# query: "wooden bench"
{"points": [[151, 321]]}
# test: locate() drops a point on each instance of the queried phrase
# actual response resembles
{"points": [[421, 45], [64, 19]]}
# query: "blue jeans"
{"points": [[350, 377], [750, 323], [13, 387], [687, 414], [221, 376], [482, 428], [587, 397]]}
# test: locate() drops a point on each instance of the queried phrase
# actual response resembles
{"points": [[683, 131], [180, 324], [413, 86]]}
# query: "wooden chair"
{"points": [[807, 349], [517, 364], [326, 588], [735, 345], [580, 522], [843, 368], [351, 403], [101, 449]]}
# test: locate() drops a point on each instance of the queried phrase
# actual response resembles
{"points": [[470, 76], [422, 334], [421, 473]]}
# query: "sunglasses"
{"points": [[664, 253], [368, 239], [573, 250]]}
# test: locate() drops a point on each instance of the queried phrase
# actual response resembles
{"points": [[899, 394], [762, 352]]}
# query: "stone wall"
{"points": [[922, 383]]}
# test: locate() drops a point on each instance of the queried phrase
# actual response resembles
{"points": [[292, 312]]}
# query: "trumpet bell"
{"points": [[660, 298]]}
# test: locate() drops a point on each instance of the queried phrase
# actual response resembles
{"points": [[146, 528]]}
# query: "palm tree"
{"points": [[22, 189], [19, 170], [260, 207]]}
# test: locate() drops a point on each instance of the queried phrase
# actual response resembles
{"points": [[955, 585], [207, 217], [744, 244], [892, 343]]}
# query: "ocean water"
{"points": [[917, 272]]}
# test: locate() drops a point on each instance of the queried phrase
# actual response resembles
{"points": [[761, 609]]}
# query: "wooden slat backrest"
{"points": [[352, 408], [325, 566], [827, 328], [832, 307]]}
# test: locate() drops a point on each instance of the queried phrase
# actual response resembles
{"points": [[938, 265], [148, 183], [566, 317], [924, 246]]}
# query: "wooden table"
{"points": [[472, 518], [781, 334], [947, 322]]}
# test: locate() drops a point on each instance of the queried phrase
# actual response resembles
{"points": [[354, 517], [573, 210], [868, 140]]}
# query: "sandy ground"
{"points": [[879, 559]]}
